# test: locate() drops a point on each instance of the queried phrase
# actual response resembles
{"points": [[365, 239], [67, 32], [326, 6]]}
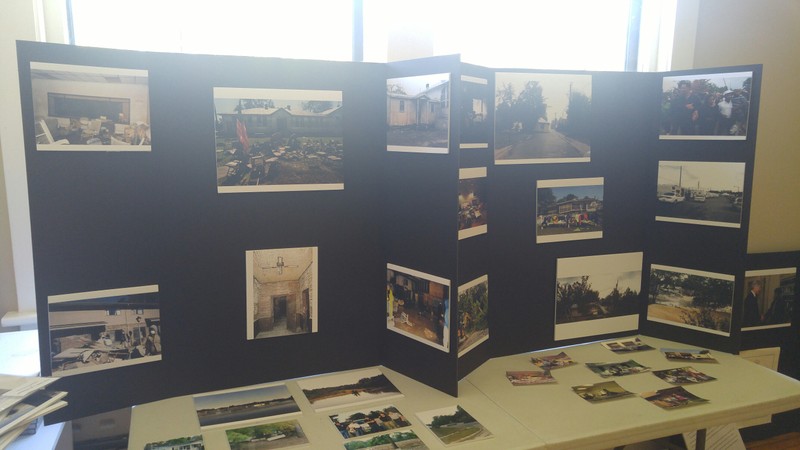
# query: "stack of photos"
{"points": [[271, 140], [418, 114], [769, 298], [88, 108], [683, 375], [281, 287], [529, 377], [597, 294], [692, 299], [244, 405], [453, 425], [626, 345], [98, 330], [418, 306], [473, 314], [569, 210], [700, 193], [267, 436], [370, 420], [542, 118], [361, 386], [688, 354], [472, 196], [671, 398], [617, 369], [188, 443], [552, 361], [406, 440], [599, 392], [711, 106], [475, 125]]}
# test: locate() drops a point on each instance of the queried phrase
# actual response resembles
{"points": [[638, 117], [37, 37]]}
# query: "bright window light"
{"points": [[312, 29], [564, 34]]}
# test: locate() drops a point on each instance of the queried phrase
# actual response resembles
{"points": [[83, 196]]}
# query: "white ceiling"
{"points": [[295, 260]]}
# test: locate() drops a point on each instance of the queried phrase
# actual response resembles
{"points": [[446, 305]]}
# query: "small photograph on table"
{"points": [[597, 294], [418, 306], [472, 196], [475, 100], [418, 114], [371, 420], [90, 108], [99, 330], [692, 299], [277, 140], [683, 375], [190, 442], [406, 440], [281, 287], [529, 377], [672, 398], [569, 210], [700, 193], [769, 298], [542, 118], [617, 369], [453, 425], [244, 405], [473, 314], [347, 388], [267, 436], [708, 106], [688, 354], [550, 362], [600, 392], [626, 345]]}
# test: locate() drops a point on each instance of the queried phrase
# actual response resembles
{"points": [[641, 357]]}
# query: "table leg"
{"points": [[700, 442]]}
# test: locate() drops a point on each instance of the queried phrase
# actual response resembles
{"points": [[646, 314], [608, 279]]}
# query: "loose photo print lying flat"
{"points": [[188, 442], [672, 398], [689, 298], [404, 439], [769, 298], [542, 118], [600, 392], [281, 286], [700, 193], [348, 388], [267, 436], [597, 294], [418, 306], [100, 330], [569, 210], [453, 425], [711, 106], [244, 405], [418, 114], [90, 108], [683, 375], [368, 420], [270, 140]]}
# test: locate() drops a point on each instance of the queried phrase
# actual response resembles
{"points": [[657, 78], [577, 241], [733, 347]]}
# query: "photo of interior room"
{"points": [[281, 292], [90, 108]]}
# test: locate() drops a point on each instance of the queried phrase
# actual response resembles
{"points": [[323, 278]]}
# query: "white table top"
{"points": [[743, 390]]}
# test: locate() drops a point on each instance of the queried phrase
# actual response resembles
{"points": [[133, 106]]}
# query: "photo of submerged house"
{"points": [[418, 306], [100, 330], [281, 292]]}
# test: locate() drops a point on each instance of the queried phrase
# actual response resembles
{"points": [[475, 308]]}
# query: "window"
{"points": [[402, 106]]}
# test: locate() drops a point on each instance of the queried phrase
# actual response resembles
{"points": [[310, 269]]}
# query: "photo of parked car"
{"points": [[670, 197]]}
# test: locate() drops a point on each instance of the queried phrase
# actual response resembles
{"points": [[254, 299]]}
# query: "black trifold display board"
{"points": [[106, 220]]}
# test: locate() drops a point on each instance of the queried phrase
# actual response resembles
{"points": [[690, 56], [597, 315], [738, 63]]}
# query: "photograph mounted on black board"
{"points": [[100, 330], [712, 106], [700, 193], [475, 125], [569, 210], [542, 118], [282, 292], [597, 294], [769, 298], [692, 299], [270, 140], [472, 198], [473, 314], [90, 108], [418, 114], [418, 306]]}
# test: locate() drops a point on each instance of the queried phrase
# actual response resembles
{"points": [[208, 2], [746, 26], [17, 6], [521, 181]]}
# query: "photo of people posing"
{"points": [[769, 298]]}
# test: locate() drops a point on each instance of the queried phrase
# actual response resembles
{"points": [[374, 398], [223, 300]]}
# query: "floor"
{"points": [[788, 441]]}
